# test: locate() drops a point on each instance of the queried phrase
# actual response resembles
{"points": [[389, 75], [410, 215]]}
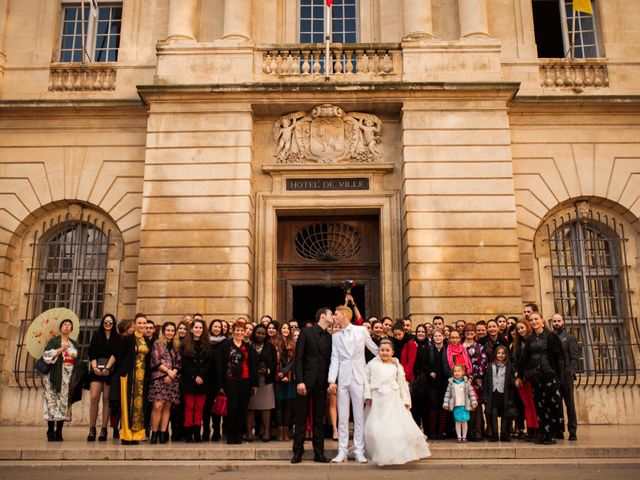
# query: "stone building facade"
{"points": [[206, 157]]}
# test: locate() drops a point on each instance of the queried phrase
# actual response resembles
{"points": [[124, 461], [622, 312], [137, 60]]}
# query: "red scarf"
{"points": [[458, 351]]}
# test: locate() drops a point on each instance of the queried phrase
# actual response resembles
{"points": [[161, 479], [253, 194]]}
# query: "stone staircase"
{"points": [[601, 453]]}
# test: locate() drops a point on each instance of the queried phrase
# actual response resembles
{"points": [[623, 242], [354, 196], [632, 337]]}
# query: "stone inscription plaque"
{"points": [[306, 184]]}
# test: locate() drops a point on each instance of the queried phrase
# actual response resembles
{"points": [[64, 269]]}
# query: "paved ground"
{"points": [[602, 452]]}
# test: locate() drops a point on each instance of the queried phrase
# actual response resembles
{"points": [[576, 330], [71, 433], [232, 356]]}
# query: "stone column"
{"points": [[417, 19], [182, 20], [473, 18], [4, 11], [237, 19]]}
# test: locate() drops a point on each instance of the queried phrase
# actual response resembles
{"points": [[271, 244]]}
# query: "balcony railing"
{"points": [[70, 77], [307, 61], [580, 73]]}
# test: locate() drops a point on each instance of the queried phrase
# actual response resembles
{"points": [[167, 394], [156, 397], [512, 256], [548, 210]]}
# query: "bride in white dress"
{"points": [[391, 437]]}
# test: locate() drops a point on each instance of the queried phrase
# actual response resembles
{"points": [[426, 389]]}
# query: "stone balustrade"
{"points": [[92, 77], [300, 61], [580, 73]]}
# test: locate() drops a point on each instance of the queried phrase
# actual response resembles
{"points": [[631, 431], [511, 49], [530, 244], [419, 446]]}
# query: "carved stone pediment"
{"points": [[327, 134]]}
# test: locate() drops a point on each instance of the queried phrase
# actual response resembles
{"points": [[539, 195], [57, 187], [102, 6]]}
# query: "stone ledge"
{"points": [[382, 167]]}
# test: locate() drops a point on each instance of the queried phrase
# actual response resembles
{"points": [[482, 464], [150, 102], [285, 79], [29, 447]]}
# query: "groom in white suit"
{"points": [[347, 366]]}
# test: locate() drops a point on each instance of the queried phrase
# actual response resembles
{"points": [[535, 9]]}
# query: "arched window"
{"points": [[591, 288], [69, 268], [558, 28], [344, 21], [73, 269]]}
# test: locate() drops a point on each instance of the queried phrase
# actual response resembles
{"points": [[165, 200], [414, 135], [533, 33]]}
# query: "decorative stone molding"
{"points": [[561, 72], [347, 59], [82, 78], [327, 135]]}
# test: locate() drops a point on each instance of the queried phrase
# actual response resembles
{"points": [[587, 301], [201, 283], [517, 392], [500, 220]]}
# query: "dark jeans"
{"points": [[318, 398], [238, 393], [566, 390]]}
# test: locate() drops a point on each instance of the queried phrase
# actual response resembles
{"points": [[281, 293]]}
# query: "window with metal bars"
{"points": [[68, 269], [591, 290], [102, 25]]}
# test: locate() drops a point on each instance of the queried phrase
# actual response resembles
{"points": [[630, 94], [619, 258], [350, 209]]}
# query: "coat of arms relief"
{"points": [[327, 134]]}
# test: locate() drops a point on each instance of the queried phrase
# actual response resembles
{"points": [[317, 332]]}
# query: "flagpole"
{"points": [[327, 54], [573, 35], [82, 28]]}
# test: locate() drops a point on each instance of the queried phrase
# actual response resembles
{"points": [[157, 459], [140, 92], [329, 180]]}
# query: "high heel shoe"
{"points": [[103, 435], [92, 435]]}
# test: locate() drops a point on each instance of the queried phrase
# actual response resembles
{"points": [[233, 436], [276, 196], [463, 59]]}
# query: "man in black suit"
{"points": [[313, 356]]}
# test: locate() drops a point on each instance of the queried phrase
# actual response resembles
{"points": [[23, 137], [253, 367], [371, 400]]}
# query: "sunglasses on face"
{"points": [[108, 322]]}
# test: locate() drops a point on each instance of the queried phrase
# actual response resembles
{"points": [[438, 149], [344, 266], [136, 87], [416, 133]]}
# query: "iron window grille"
{"points": [[68, 269], [591, 290], [328, 242]]}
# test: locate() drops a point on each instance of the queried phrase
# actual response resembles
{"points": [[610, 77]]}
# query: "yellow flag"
{"points": [[582, 6]]}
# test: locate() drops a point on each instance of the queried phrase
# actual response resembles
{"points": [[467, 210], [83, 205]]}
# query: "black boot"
{"points": [[196, 434], [154, 438], [92, 434], [163, 436], [116, 434], [188, 434], [103, 435], [51, 434], [59, 426]]}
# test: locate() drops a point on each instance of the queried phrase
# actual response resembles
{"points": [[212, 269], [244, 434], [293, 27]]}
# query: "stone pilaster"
{"points": [[182, 20], [4, 6], [473, 18], [461, 256], [196, 241], [237, 20], [418, 20]]}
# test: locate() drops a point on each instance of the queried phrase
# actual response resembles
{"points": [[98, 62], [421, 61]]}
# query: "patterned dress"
{"points": [[159, 390], [56, 403], [132, 405], [479, 364]]}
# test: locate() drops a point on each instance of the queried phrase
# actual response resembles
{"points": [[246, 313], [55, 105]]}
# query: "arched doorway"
{"points": [[317, 254]]}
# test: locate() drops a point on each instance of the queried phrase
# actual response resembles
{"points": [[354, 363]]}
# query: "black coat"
{"points": [[313, 357], [198, 364], [222, 361], [267, 358], [555, 355], [510, 409]]}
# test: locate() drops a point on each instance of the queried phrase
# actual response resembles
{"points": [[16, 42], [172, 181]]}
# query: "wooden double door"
{"points": [[317, 254]]}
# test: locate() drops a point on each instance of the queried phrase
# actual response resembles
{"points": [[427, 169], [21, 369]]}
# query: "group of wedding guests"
{"points": [[465, 381]]}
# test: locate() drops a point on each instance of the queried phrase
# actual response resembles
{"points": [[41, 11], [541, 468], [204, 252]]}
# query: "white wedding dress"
{"points": [[391, 437]]}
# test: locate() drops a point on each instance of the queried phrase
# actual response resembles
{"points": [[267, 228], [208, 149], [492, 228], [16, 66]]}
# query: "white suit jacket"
{"points": [[347, 355]]}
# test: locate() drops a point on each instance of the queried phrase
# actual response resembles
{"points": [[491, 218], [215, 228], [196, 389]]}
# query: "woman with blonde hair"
{"points": [[164, 390]]}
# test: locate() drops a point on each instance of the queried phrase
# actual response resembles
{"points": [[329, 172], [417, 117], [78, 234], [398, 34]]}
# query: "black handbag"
{"points": [[41, 366]]}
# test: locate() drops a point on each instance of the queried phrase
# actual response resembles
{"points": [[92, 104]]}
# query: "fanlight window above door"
{"points": [[328, 242]]}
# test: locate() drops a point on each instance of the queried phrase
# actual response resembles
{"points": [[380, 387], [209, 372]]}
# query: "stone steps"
{"points": [[75, 451]]}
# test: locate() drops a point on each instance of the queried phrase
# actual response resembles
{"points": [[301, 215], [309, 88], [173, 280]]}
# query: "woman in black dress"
{"points": [[102, 357]]}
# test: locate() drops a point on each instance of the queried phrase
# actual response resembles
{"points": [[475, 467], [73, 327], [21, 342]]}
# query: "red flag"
{"points": [[329, 2]]}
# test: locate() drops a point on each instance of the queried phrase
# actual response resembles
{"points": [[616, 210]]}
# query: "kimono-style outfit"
{"points": [[129, 386], [58, 381]]}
